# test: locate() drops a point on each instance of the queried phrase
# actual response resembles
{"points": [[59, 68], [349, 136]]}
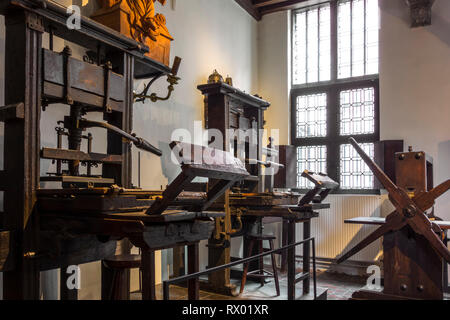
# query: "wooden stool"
{"points": [[261, 273], [119, 265]]}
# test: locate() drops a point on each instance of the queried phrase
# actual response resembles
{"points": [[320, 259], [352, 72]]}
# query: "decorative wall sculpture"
{"points": [[138, 20], [420, 11]]}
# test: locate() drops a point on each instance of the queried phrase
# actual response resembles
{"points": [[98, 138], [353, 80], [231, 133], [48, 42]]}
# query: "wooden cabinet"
{"points": [[228, 110]]}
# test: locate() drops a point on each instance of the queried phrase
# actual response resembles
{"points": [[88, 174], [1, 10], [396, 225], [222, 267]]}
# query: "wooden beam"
{"points": [[263, 3], [281, 6], [247, 5]]}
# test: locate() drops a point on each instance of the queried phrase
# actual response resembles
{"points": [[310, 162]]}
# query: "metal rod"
{"points": [[167, 283], [313, 243], [139, 169]]}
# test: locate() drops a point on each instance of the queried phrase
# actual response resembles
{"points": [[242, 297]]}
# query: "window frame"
{"points": [[332, 88]]}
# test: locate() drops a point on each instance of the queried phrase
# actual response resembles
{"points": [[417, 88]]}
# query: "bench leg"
{"points": [[193, 267], [246, 265], [274, 267], [148, 275]]}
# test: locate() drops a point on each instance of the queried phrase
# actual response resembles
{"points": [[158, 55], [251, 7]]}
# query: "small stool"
{"points": [[118, 265], [261, 273]]}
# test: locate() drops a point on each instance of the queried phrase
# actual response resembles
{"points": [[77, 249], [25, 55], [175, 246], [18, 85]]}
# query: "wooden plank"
{"points": [[62, 252], [378, 221], [83, 75], [12, 112], [61, 154], [5, 240], [166, 217], [55, 93], [78, 179]]}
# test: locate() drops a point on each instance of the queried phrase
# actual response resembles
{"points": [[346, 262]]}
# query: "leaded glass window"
{"points": [[312, 115], [355, 174], [335, 90], [357, 110], [311, 158]]}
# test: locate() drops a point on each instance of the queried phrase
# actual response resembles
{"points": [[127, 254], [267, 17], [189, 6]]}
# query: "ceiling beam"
{"points": [[248, 6], [281, 5], [258, 8], [263, 3]]}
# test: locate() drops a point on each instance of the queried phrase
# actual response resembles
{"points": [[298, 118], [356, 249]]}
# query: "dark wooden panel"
{"points": [[60, 154], [84, 76], [56, 92], [411, 267], [385, 158], [59, 252], [287, 176], [5, 240]]}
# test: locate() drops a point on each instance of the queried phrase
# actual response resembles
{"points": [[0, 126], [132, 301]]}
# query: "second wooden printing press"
{"points": [[246, 214]]}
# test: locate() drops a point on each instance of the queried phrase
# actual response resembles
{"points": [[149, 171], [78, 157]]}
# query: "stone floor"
{"points": [[340, 287]]}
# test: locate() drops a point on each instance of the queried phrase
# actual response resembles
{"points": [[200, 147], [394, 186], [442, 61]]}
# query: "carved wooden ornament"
{"points": [[420, 11], [138, 20]]}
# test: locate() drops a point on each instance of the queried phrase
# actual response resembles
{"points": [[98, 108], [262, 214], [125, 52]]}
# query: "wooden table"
{"points": [[378, 221]]}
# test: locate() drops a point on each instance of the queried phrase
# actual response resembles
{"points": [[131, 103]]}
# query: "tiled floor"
{"points": [[340, 287]]}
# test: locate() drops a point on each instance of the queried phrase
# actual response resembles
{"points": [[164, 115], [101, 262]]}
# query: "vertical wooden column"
{"points": [[123, 63], [291, 260], [193, 267], [148, 274], [306, 255], [65, 293], [178, 262], [22, 143], [284, 242]]}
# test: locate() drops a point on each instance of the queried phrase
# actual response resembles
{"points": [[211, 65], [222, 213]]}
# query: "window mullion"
{"points": [[334, 40], [365, 37], [333, 127], [307, 48], [318, 44], [351, 38]]}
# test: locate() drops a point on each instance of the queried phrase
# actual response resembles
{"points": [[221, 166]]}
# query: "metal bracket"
{"points": [[35, 22], [67, 53], [108, 68]]}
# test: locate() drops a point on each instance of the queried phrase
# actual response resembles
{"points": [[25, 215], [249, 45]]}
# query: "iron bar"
{"points": [[167, 283]]}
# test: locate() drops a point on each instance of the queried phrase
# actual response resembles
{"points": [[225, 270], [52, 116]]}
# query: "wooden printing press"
{"points": [[415, 253], [44, 229], [252, 201]]}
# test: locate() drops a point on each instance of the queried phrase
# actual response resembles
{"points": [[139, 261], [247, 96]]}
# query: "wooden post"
{"points": [[291, 260], [22, 143], [193, 267], [306, 255], [148, 274], [65, 293]]}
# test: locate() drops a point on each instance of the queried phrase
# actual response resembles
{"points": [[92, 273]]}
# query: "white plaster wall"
{"points": [[415, 85], [414, 80], [274, 75]]}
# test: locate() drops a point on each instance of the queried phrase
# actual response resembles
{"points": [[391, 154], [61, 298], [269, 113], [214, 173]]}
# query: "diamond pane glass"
{"points": [[355, 174], [312, 116], [357, 110], [311, 158], [357, 38], [312, 53]]}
